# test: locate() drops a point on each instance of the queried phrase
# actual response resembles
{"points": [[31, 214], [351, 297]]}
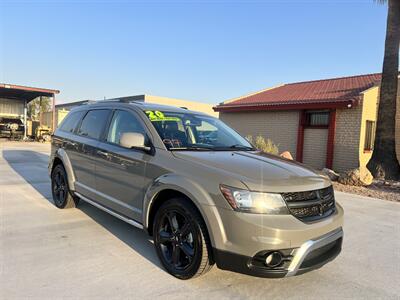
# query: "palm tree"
{"points": [[384, 163]]}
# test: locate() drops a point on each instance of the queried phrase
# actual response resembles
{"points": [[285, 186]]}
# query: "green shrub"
{"points": [[264, 145]]}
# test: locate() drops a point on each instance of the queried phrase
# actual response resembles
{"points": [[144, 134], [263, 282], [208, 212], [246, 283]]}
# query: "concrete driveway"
{"points": [[80, 253]]}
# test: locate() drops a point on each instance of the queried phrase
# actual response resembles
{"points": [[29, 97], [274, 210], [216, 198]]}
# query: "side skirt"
{"points": [[111, 212]]}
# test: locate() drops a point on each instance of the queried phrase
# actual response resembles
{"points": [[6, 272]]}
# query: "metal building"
{"points": [[14, 100]]}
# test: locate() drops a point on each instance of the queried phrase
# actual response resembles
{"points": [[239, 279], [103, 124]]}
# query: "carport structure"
{"points": [[14, 96]]}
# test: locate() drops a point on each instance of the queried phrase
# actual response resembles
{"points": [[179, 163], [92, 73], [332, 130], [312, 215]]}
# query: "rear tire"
{"points": [[62, 195], [181, 239]]}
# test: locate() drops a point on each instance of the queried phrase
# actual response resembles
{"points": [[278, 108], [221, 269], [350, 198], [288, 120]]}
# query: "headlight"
{"points": [[254, 202]]}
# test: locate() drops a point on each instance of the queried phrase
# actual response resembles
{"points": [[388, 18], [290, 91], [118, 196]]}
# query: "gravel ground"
{"points": [[386, 190]]}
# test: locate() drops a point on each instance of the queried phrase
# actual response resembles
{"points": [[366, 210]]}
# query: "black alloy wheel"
{"points": [[62, 196], [181, 239]]}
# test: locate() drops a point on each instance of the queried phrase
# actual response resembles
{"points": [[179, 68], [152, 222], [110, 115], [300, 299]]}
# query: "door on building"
{"points": [[315, 138]]}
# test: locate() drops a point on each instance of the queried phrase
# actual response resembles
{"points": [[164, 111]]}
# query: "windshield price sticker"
{"points": [[157, 115]]}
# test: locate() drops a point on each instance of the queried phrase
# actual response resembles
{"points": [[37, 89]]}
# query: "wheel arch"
{"points": [[165, 188], [62, 157], [159, 199]]}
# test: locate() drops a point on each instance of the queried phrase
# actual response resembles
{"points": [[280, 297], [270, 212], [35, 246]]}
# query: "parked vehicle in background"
{"points": [[11, 127], [199, 188]]}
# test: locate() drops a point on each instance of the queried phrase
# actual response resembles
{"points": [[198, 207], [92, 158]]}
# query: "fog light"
{"points": [[273, 259]]}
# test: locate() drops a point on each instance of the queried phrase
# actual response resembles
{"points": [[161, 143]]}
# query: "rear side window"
{"points": [[71, 121], [93, 123]]}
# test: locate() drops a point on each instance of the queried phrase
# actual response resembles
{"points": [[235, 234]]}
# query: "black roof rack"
{"points": [[138, 98]]}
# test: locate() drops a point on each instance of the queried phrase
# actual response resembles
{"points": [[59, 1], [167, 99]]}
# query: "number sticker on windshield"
{"points": [[157, 115]]}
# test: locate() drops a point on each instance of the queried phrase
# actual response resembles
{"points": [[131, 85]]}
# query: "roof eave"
{"points": [[28, 88], [349, 103]]}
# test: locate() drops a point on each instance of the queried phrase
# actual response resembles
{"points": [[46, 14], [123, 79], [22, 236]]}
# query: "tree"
{"points": [[384, 163], [37, 106]]}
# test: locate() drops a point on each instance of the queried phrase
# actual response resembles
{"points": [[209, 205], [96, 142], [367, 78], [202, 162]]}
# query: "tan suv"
{"points": [[200, 189]]}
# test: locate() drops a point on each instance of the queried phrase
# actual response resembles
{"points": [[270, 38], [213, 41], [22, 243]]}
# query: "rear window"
{"points": [[71, 121], [93, 123]]}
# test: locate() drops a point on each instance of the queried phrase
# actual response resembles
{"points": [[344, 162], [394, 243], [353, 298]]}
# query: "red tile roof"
{"points": [[335, 92]]}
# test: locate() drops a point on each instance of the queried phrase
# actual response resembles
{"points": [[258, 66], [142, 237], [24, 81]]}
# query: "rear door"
{"points": [[87, 139], [120, 171]]}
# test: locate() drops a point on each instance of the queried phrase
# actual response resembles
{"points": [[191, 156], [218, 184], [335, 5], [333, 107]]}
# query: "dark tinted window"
{"points": [[9, 120], [180, 131], [369, 135], [71, 121], [122, 122], [93, 123], [317, 118]]}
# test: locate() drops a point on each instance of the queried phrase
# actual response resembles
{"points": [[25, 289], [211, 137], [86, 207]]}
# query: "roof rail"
{"points": [[138, 98]]}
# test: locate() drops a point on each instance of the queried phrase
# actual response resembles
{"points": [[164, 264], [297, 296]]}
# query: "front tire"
{"points": [[181, 239], [61, 193]]}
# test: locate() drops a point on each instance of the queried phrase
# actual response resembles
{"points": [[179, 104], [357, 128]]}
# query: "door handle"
{"points": [[72, 144], [102, 153]]}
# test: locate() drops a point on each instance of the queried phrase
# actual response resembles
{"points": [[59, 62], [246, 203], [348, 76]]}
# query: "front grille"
{"points": [[311, 205]]}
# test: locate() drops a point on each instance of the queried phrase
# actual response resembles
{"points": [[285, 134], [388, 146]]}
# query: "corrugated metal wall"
{"points": [[11, 107], [47, 119]]}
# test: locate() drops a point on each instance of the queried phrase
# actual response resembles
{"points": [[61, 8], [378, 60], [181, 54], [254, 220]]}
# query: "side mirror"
{"points": [[133, 140]]}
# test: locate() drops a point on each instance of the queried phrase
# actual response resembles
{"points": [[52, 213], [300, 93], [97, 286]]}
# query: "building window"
{"points": [[369, 135], [317, 118]]}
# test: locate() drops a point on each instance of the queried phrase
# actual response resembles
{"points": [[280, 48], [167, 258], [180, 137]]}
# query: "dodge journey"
{"points": [[202, 191]]}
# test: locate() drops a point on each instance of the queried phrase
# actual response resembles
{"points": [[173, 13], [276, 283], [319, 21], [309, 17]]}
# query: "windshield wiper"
{"points": [[241, 147]]}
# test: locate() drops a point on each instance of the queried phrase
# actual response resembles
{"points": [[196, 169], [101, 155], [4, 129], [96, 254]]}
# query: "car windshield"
{"points": [[189, 131]]}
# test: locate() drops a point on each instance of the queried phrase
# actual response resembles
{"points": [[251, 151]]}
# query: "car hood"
{"points": [[258, 171]]}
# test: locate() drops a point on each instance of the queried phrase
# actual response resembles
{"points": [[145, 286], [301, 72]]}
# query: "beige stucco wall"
{"points": [[279, 126], [314, 151], [47, 117], [192, 105], [369, 113]]}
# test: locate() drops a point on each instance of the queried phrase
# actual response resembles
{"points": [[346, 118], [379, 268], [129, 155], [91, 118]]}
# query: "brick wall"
{"points": [[279, 126], [347, 139], [314, 151]]}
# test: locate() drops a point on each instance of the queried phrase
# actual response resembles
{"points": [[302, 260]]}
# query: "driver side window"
{"points": [[121, 123]]}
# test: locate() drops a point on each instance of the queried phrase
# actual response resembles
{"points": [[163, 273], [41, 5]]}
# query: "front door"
{"points": [[120, 171]]}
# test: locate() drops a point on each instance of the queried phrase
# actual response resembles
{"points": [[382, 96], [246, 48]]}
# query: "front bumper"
{"points": [[311, 255]]}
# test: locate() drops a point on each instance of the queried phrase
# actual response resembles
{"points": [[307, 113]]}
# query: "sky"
{"points": [[207, 51]]}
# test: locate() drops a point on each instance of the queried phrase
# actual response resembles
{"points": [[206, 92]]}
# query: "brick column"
{"points": [[331, 139], [300, 136]]}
